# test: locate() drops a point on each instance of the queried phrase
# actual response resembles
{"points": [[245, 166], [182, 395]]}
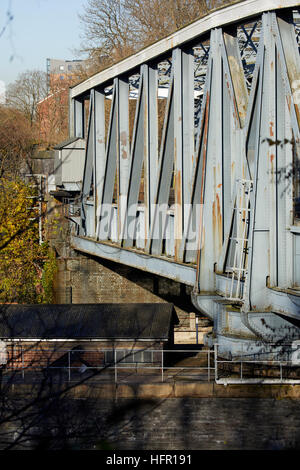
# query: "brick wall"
{"points": [[167, 424], [83, 279], [32, 355]]}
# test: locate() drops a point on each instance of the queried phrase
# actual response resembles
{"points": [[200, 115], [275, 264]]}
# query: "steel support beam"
{"points": [[156, 265]]}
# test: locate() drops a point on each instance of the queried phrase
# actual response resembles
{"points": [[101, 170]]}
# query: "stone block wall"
{"points": [[167, 424]]}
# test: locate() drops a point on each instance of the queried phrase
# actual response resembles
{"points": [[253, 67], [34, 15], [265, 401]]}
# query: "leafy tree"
{"points": [[22, 258], [26, 92], [113, 29], [17, 139], [108, 29], [155, 19]]}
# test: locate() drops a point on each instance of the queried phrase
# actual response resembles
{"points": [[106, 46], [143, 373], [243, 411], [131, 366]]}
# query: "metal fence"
{"points": [[118, 365], [154, 365], [277, 364]]}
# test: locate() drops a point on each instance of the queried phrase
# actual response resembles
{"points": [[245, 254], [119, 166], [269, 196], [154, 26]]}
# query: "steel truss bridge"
{"points": [[192, 168]]}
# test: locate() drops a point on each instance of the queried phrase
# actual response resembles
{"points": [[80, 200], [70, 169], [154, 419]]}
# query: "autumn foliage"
{"points": [[23, 260], [17, 139]]}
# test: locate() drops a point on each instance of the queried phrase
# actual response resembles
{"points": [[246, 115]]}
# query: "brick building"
{"points": [[94, 335]]}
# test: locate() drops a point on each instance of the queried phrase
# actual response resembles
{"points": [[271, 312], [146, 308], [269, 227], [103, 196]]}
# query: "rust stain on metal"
{"points": [[204, 147], [214, 215], [201, 227], [236, 113], [214, 222], [178, 200], [123, 141], [123, 138], [297, 112], [272, 156], [232, 169], [243, 172], [271, 129], [178, 186], [219, 222], [240, 97]]}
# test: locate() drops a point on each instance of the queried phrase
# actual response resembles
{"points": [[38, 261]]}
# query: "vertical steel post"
{"points": [[116, 372], [183, 65], [22, 355], [150, 75], [208, 365], [109, 167], [216, 361], [162, 365], [99, 152], [242, 361], [135, 169], [79, 130], [69, 366], [164, 176], [212, 193], [71, 115], [123, 149]]}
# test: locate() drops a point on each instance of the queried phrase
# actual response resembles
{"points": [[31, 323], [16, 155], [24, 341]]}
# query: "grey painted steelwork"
{"points": [[160, 266], [217, 206], [236, 13]]}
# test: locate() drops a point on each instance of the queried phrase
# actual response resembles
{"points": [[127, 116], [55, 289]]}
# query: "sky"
{"points": [[40, 29]]}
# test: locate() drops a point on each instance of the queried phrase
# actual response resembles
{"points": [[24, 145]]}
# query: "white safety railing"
{"points": [[279, 365], [124, 365]]}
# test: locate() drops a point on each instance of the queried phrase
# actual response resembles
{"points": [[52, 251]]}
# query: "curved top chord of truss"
{"points": [[236, 13]]}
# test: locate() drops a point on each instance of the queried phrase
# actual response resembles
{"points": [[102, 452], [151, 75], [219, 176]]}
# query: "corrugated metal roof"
{"points": [[79, 321]]}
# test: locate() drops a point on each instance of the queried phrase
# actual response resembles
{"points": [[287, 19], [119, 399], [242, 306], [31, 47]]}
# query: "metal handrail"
{"points": [[17, 363], [128, 361], [243, 361]]}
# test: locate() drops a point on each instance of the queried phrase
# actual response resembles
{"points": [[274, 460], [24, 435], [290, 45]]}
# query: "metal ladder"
{"points": [[239, 270]]}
